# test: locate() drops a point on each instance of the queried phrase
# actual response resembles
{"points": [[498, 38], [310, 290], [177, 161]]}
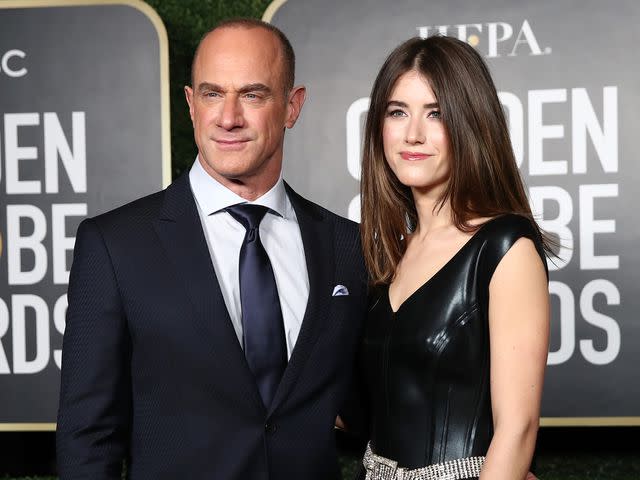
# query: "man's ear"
{"points": [[188, 93], [297, 96]]}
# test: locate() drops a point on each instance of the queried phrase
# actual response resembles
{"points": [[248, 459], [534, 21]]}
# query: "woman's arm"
{"points": [[519, 339]]}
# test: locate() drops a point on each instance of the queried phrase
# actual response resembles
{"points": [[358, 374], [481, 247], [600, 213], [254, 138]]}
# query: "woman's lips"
{"points": [[414, 156]]}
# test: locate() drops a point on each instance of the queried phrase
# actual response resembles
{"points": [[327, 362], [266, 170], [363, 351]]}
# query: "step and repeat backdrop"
{"points": [[84, 127], [568, 73]]}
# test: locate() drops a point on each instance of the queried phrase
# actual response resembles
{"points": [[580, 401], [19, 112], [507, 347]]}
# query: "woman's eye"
{"points": [[395, 113], [434, 114]]}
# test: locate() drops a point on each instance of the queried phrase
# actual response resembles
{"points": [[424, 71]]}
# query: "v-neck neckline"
{"points": [[424, 284]]}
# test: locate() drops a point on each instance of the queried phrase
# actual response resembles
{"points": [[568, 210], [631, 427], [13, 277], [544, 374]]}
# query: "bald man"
{"points": [[212, 326]]}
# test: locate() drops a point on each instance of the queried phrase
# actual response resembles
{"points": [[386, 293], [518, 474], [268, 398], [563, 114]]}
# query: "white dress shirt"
{"points": [[280, 235]]}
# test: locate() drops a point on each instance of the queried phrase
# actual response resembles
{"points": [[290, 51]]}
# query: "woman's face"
{"points": [[415, 142]]}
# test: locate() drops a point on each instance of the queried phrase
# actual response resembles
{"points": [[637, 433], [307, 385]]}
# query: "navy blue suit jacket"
{"points": [[152, 369]]}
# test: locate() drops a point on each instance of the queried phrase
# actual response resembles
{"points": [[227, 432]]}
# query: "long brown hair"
{"points": [[484, 179]]}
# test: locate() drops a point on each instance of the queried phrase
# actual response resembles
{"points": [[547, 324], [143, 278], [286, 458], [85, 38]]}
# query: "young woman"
{"points": [[456, 341]]}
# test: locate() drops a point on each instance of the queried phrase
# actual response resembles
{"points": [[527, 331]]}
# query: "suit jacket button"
{"points": [[270, 428]]}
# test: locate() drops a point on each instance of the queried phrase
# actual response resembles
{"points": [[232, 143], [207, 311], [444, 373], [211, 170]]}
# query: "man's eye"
{"points": [[211, 94], [251, 96]]}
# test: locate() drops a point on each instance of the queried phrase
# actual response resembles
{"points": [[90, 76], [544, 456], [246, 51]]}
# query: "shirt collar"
{"points": [[213, 197]]}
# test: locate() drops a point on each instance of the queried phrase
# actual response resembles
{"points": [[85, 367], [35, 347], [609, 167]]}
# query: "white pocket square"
{"points": [[339, 290]]}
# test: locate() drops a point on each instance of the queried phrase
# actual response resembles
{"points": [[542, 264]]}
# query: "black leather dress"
{"points": [[426, 366]]}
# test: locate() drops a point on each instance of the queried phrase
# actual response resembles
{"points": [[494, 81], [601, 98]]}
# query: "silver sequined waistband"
{"points": [[381, 468]]}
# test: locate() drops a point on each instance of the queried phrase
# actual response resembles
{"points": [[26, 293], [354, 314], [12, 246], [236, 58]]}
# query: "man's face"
{"points": [[239, 107]]}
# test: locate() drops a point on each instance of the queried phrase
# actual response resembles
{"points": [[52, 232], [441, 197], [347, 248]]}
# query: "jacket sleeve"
{"points": [[94, 415]]}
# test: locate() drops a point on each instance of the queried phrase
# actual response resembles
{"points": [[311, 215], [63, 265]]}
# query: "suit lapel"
{"points": [[182, 236], [316, 230]]}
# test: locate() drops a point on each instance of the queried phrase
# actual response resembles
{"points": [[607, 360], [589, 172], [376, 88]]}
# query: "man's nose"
{"points": [[231, 114]]}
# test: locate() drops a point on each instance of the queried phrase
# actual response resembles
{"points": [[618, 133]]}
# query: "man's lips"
{"points": [[413, 156], [231, 144]]}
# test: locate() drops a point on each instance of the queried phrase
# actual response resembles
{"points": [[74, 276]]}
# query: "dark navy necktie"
{"points": [[264, 342]]}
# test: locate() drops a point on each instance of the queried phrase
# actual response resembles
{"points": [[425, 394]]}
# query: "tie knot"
{"points": [[247, 214]]}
